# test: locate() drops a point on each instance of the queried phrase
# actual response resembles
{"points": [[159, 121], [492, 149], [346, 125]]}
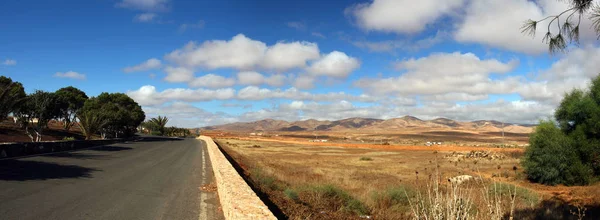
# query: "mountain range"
{"points": [[370, 124]]}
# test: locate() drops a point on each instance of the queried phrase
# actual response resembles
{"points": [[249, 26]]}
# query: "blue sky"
{"points": [[211, 62]]}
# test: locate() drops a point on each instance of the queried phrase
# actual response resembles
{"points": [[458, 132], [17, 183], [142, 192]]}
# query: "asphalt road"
{"points": [[158, 179]]}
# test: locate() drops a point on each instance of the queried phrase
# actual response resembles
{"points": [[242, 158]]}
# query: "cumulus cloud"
{"points": [[144, 5], [406, 45], [144, 17], [245, 54], [149, 64], [185, 115], [335, 64], [148, 96], [441, 73], [212, 81], [284, 56], [178, 74], [9, 62], [304, 82], [497, 24], [240, 52], [400, 16], [70, 74], [256, 79]]}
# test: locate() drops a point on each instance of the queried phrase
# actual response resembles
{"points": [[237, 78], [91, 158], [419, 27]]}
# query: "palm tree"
{"points": [[90, 123], [159, 123]]}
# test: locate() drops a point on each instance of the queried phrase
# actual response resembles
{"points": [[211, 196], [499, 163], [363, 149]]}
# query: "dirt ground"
{"points": [[366, 169], [10, 132]]}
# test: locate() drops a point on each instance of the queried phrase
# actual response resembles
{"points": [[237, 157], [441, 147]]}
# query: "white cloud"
{"points": [[144, 17], [441, 73], [240, 53], [149, 64], [407, 45], [304, 82], [185, 115], [198, 25], [245, 54], [284, 56], [144, 5], [212, 81], [148, 96], [400, 16], [9, 62], [255, 78], [497, 24], [70, 74], [334, 64], [178, 74]]}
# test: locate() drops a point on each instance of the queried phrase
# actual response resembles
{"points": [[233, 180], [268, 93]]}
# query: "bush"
{"points": [[550, 158], [505, 190], [68, 139], [395, 198], [263, 180], [349, 203], [366, 159], [291, 194]]}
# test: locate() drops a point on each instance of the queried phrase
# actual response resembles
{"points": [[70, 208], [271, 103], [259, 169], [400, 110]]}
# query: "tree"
{"points": [[567, 24], [550, 159], [36, 111], [11, 95], [158, 124], [69, 101], [570, 152], [122, 114]]}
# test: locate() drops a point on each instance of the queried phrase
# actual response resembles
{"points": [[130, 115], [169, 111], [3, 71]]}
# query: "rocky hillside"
{"points": [[367, 124]]}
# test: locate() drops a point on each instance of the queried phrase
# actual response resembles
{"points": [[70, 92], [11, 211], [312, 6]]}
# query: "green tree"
{"points": [[567, 24], [570, 152], [36, 111], [69, 101], [122, 114], [158, 124], [11, 95], [550, 158]]}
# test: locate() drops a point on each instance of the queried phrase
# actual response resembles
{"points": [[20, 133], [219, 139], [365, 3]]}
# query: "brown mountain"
{"points": [[367, 124]]}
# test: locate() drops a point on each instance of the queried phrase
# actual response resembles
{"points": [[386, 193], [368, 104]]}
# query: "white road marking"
{"points": [[203, 215]]}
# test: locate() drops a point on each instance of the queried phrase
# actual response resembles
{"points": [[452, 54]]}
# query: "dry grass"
{"points": [[337, 182]]}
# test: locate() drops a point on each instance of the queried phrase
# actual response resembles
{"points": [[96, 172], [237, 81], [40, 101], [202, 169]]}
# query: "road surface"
{"points": [[150, 179]]}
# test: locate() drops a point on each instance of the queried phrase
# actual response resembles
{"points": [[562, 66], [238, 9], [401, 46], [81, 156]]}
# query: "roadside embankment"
{"points": [[238, 201]]}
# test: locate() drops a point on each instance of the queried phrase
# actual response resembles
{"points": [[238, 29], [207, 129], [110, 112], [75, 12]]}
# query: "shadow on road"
{"points": [[154, 139], [75, 155], [554, 210], [23, 170], [111, 148]]}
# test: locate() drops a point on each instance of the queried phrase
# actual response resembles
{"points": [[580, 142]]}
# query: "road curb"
{"points": [[238, 201]]}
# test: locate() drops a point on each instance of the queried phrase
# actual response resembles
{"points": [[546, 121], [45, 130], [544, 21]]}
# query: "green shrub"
{"points": [[332, 192], [395, 197], [263, 180], [291, 194], [68, 139], [366, 159], [506, 190], [551, 160]]}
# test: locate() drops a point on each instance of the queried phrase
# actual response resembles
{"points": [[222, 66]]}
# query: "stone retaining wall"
{"points": [[238, 201]]}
